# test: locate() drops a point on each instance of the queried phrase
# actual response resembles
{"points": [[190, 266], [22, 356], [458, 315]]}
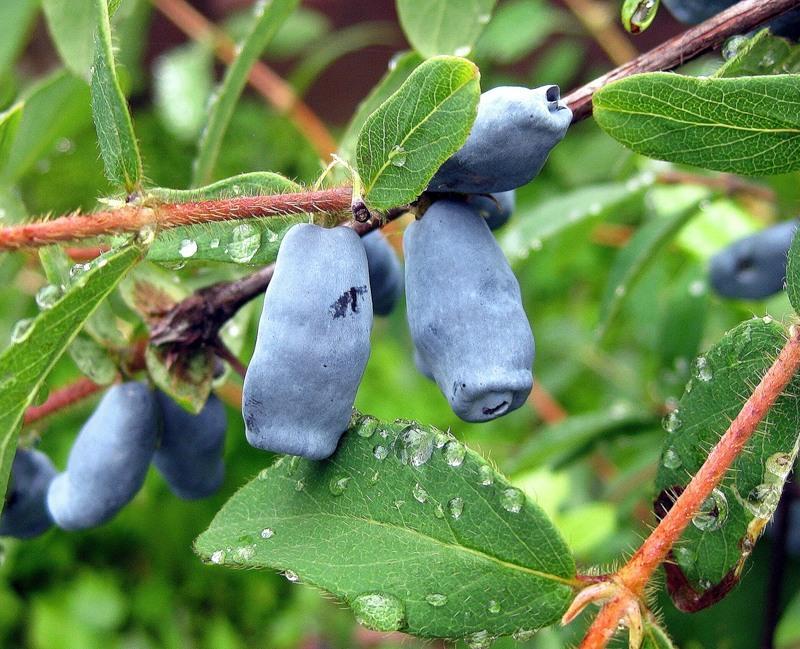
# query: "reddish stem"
{"points": [[62, 398]]}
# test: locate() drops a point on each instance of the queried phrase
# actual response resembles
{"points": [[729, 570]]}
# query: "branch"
{"points": [[265, 81], [630, 582], [739, 19], [62, 398]]}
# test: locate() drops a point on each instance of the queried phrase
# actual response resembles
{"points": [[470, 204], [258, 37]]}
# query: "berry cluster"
{"points": [[132, 426], [470, 332]]}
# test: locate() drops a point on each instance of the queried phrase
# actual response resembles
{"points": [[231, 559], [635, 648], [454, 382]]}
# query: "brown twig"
{"points": [[740, 18], [632, 579], [727, 183], [599, 20], [264, 80], [545, 405]]}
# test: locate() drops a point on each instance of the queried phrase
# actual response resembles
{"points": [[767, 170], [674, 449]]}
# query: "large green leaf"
{"points": [[409, 527], [400, 67], [16, 18], [405, 141], [793, 272], [710, 557], [254, 241], [748, 125], [112, 120], [444, 26], [39, 343], [72, 26], [761, 54], [268, 16]]}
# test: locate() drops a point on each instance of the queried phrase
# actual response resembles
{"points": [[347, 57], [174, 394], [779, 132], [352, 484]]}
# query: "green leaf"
{"points": [[268, 16], [118, 146], [748, 125], [560, 443], [711, 554], [683, 322], [444, 26], [793, 272], [16, 20], [458, 550], [416, 129], [529, 230], [24, 365], [254, 241], [637, 15], [761, 54], [635, 258], [9, 124], [186, 379], [72, 26], [787, 635], [401, 66], [655, 637]]}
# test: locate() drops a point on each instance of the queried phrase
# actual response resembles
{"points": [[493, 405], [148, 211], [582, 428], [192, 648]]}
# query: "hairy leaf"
{"points": [[268, 16], [405, 141], [762, 54], [793, 272], [655, 637], [38, 344], [444, 26], [409, 527], [72, 26], [253, 241], [112, 120], [711, 554], [748, 125]]}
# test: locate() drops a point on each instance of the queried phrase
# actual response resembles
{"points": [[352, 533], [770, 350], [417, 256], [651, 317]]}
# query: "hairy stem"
{"points": [[636, 574], [739, 19], [264, 80]]}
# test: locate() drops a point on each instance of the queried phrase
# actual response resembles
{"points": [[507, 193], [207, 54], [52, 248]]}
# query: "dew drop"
{"points": [[494, 607], [672, 422], [712, 513], [512, 500], [47, 296], [702, 370], [381, 452], [438, 511], [436, 599], [419, 493], [379, 611], [479, 640], [244, 244], [762, 500], [485, 475], [22, 329], [146, 235], [454, 453], [620, 291], [267, 533], [245, 553], [337, 486], [415, 446], [523, 635], [218, 556], [213, 244], [397, 156], [732, 46], [299, 485], [187, 248], [367, 427], [455, 507], [671, 459], [291, 576]]}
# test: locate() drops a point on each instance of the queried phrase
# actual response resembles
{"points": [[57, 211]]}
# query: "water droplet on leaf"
{"points": [[22, 329], [485, 475], [379, 611], [671, 459], [455, 507], [419, 493], [454, 453], [47, 296], [267, 533], [436, 599], [244, 244], [338, 485], [187, 248], [512, 500], [712, 513]]}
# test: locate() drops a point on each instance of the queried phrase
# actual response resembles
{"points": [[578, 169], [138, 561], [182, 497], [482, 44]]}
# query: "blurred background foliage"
{"points": [[135, 583]]}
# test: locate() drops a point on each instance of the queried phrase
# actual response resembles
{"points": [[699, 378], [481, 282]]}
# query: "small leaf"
{"points": [[761, 54], [709, 559], [748, 125], [9, 123], [530, 229], [405, 141], [268, 16], [637, 15], [404, 524], [444, 26], [118, 146], [655, 637], [72, 26], [793, 272], [25, 365], [251, 241], [635, 258], [400, 67], [186, 378]]}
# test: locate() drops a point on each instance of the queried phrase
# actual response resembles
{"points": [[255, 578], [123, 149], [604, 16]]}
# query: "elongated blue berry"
{"points": [[754, 267], [465, 313], [513, 133], [25, 511], [495, 209], [312, 345], [385, 272], [189, 455], [109, 459]]}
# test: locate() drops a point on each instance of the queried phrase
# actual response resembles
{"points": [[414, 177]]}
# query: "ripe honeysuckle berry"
{"points": [[513, 133], [465, 313], [385, 272], [753, 267], [189, 455], [25, 511], [109, 459], [312, 345], [696, 11]]}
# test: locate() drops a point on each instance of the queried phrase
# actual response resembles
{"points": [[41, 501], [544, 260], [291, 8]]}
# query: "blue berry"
{"points": [[25, 512], [190, 453], [496, 209], [754, 267], [465, 313], [109, 459], [312, 345], [385, 272], [513, 133]]}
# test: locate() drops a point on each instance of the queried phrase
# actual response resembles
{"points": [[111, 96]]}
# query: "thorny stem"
{"points": [[739, 19], [635, 575], [265, 81]]}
